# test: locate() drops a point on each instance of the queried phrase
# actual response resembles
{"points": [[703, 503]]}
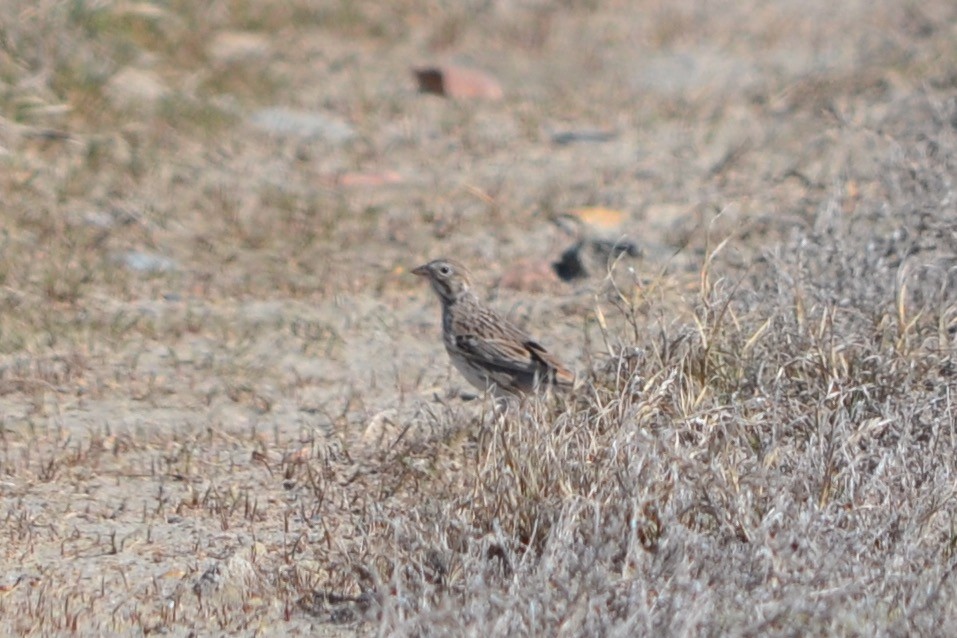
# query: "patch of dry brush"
{"points": [[786, 463]]}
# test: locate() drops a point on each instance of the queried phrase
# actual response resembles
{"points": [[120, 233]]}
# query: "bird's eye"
{"points": [[445, 270]]}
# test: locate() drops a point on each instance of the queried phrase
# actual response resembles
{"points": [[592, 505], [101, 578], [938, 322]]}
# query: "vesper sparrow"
{"points": [[485, 347]]}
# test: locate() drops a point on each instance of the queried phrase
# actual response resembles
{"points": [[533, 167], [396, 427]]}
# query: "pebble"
{"points": [[129, 88], [230, 47], [284, 121], [147, 262], [458, 82]]}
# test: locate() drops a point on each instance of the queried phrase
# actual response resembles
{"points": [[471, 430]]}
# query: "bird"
{"points": [[491, 353], [595, 249]]}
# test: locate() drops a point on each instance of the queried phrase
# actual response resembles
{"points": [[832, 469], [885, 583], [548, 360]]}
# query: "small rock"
{"points": [[142, 10], [131, 87], [381, 178], [99, 219], [381, 429], [230, 47], [104, 219], [593, 136], [306, 124], [461, 83], [147, 262]]}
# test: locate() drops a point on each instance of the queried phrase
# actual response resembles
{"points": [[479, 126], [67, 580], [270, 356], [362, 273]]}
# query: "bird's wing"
{"points": [[561, 374], [506, 353], [513, 357], [503, 354]]}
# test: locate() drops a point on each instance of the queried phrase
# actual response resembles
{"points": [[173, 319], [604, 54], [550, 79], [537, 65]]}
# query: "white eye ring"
{"points": [[445, 270]]}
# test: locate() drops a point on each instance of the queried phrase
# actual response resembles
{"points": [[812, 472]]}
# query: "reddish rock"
{"points": [[461, 83], [381, 178], [233, 47]]}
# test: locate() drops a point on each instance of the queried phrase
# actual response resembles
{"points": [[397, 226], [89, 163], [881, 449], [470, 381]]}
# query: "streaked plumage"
{"points": [[485, 347]]}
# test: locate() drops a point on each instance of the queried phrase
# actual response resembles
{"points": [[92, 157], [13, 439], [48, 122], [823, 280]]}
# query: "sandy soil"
{"points": [[211, 343]]}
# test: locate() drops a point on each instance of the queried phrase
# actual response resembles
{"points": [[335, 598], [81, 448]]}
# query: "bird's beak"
{"points": [[421, 271]]}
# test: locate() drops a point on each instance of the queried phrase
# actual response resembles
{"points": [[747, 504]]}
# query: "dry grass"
{"points": [[223, 406]]}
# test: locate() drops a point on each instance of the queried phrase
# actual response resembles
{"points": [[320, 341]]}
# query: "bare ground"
{"points": [[225, 406]]}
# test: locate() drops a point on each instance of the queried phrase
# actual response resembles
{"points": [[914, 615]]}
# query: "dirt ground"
{"points": [[224, 403]]}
